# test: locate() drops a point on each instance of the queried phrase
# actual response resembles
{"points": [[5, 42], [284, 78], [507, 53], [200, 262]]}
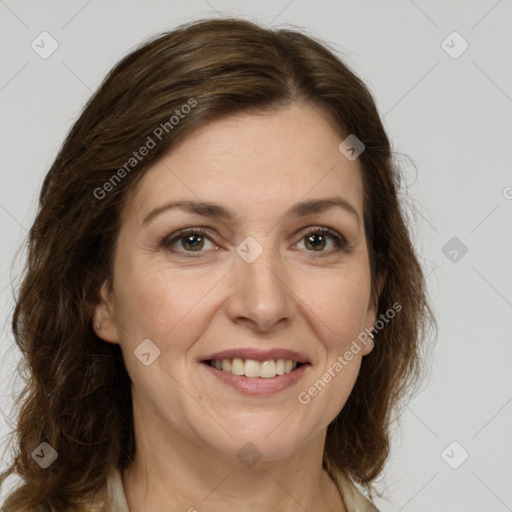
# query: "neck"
{"points": [[169, 476]]}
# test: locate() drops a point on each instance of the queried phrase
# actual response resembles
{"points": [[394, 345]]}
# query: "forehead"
{"points": [[253, 161]]}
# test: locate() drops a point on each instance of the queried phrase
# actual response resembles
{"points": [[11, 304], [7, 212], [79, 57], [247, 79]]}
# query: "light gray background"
{"points": [[451, 117]]}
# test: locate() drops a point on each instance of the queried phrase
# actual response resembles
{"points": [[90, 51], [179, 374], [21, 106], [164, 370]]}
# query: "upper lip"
{"points": [[258, 355]]}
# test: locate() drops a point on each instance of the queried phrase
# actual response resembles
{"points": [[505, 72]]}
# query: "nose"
{"points": [[261, 297]]}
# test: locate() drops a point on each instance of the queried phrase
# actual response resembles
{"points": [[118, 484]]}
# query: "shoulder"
{"points": [[354, 500], [112, 497]]}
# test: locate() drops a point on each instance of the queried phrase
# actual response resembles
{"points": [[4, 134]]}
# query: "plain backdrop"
{"points": [[448, 111]]}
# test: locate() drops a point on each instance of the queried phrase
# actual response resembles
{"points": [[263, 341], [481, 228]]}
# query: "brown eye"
{"points": [[194, 242], [188, 241], [317, 240]]}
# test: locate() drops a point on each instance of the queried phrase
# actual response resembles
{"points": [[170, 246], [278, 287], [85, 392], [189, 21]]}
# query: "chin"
{"points": [[258, 443]]}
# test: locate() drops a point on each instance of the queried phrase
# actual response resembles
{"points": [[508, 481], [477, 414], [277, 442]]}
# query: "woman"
{"points": [[222, 305]]}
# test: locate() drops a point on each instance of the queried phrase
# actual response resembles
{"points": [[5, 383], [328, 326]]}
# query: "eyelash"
{"points": [[339, 241]]}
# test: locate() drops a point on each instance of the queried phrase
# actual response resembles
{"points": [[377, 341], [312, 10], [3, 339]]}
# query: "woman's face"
{"points": [[257, 280]]}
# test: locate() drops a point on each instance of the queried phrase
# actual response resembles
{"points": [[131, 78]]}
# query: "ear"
{"points": [[103, 320], [371, 314]]}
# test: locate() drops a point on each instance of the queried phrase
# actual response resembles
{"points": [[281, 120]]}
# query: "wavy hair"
{"points": [[77, 394]]}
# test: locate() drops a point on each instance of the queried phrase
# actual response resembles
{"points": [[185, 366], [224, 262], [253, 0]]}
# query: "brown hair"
{"points": [[77, 396]]}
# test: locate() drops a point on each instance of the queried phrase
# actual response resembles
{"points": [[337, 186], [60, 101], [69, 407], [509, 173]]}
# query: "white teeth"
{"points": [[254, 369], [237, 367], [268, 369]]}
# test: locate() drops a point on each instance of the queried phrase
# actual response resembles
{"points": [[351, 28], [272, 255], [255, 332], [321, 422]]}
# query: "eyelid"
{"points": [[325, 230]]}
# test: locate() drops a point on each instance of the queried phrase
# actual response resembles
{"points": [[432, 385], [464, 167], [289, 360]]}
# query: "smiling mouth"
{"points": [[255, 369]]}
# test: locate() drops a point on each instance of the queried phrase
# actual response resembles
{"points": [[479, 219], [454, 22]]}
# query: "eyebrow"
{"points": [[217, 211]]}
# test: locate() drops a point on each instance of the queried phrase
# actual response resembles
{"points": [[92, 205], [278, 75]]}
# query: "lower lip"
{"points": [[258, 386]]}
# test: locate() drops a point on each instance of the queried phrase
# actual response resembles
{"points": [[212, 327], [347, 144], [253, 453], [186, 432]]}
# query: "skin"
{"points": [[188, 425]]}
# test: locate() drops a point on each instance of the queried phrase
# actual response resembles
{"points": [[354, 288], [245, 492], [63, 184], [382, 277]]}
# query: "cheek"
{"points": [[153, 299], [172, 309], [340, 303]]}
